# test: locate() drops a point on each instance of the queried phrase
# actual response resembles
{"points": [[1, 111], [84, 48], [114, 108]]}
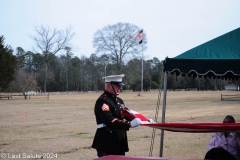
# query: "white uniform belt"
{"points": [[101, 125]]}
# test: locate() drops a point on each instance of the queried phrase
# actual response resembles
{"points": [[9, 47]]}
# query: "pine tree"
{"points": [[8, 64]]}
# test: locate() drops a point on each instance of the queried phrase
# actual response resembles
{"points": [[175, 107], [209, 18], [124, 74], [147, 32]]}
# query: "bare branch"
{"points": [[51, 41], [119, 41]]}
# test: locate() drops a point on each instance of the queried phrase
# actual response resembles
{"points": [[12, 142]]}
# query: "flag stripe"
{"points": [[140, 34]]}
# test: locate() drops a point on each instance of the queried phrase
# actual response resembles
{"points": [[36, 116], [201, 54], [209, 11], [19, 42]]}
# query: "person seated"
{"points": [[224, 145]]}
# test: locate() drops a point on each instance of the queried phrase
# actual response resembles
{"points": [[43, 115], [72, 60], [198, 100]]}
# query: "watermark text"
{"points": [[28, 155]]}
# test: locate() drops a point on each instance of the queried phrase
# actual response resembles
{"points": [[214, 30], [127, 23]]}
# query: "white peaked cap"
{"points": [[116, 79]]}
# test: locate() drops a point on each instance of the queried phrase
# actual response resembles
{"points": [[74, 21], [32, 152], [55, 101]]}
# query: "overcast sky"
{"points": [[172, 26]]}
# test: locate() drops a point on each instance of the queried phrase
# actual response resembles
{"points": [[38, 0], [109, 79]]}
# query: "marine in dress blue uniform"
{"points": [[111, 135]]}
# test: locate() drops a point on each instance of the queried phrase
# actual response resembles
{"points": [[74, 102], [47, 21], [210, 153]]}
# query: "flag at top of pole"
{"points": [[139, 36]]}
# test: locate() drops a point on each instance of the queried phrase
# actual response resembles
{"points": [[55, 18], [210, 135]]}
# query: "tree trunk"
{"points": [[45, 78]]}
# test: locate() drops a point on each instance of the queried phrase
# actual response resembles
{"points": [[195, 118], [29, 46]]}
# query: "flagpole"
{"points": [[142, 72], [105, 70], [139, 36]]}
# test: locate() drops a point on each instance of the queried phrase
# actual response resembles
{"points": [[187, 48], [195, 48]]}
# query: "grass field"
{"points": [[65, 124]]}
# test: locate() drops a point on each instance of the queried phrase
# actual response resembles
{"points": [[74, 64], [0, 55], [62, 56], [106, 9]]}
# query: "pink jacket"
{"points": [[231, 143]]}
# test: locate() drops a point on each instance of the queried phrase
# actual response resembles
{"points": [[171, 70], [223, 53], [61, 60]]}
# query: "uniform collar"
{"points": [[109, 94]]}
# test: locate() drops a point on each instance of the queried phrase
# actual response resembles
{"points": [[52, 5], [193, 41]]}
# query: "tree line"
{"points": [[117, 52], [72, 73]]}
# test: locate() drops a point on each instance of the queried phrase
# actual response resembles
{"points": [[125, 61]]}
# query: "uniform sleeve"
{"points": [[104, 113]]}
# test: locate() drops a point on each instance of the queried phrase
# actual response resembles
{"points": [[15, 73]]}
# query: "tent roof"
{"points": [[219, 58]]}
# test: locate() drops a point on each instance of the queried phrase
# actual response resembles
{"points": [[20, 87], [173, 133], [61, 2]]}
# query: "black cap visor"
{"points": [[118, 83]]}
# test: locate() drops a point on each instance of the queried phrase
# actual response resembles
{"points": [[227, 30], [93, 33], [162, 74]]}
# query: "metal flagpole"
{"points": [[163, 113], [105, 70], [139, 36], [142, 73]]}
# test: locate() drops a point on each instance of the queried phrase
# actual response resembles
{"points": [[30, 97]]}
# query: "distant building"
{"points": [[231, 87]]}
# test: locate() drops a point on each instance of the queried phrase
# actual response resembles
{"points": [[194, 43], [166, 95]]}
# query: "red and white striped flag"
{"points": [[139, 36]]}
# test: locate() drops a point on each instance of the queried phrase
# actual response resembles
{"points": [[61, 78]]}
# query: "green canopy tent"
{"points": [[217, 58]]}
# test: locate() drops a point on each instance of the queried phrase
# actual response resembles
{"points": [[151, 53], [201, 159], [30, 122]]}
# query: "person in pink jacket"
{"points": [[224, 145]]}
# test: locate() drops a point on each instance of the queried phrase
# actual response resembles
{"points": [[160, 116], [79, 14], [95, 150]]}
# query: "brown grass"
{"points": [[65, 124]]}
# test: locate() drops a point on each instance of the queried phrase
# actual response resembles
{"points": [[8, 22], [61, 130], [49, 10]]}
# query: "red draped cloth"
{"points": [[195, 127], [182, 127]]}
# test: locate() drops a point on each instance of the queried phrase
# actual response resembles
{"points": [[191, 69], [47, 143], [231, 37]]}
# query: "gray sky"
{"points": [[172, 26]]}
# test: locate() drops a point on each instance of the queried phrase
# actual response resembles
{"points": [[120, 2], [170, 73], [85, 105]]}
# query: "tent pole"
{"points": [[163, 112]]}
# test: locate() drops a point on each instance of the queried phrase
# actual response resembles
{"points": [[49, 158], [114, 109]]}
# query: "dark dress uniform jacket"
{"points": [[112, 137]]}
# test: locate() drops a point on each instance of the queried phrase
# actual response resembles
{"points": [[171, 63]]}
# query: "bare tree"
{"points": [[23, 82], [119, 41], [50, 42]]}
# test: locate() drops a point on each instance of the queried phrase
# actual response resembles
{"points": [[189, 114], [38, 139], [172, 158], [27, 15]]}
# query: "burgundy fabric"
{"points": [[113, 157], [196, 127]]}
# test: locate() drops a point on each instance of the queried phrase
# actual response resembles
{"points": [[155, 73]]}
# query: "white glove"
{"points": [[151, 120], [135, 122]]}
